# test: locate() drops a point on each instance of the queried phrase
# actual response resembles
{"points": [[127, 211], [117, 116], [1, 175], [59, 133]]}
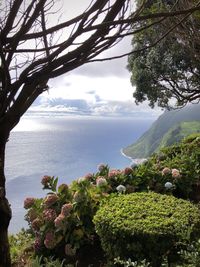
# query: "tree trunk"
{"points": [[5, 210]]}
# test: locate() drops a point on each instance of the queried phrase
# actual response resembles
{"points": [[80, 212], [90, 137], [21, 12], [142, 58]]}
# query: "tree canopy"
{"points": [[171, 69]]}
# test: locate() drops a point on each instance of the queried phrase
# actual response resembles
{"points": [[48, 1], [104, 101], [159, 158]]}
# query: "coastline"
{"points": [[133, 160]]}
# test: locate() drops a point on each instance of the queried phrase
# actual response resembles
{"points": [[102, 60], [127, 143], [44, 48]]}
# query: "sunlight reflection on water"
{"points": [[29, 125]]}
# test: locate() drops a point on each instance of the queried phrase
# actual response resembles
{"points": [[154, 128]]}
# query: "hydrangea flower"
{"points": [[127, 171], [88, 176], [29, 202], [45, 180], [50, 200], [49, 215], [69, 251], [59, 221], [36, 224], [166, 171], [66, 209], [113, 173], [101, 167], [168, 185], [101, 181], [37, 244], [176, 173], [49, 241], [121, 188]]}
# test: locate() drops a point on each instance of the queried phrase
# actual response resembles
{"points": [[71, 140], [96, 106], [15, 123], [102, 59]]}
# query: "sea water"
{"points": [[65, 147]]}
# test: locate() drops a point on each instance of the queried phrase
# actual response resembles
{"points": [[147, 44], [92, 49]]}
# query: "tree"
{"points": [[34, 50], [171, 69]]}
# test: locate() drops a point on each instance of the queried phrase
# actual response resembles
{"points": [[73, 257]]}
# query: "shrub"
{"points": [[179, 165], [146, 226], [62, 221]]}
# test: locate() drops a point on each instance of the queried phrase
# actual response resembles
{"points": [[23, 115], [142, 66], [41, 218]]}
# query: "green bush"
{"points": [[179, 165], [147, 226]]}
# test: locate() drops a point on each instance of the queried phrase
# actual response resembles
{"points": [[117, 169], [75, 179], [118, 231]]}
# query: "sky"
{"points": [[95, 89]]}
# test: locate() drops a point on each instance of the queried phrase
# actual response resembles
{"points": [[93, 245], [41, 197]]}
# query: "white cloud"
{"points": [[104, 108], [84, 87]]}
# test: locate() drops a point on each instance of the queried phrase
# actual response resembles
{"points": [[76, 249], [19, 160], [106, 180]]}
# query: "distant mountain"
{"points": [[169, 128]]}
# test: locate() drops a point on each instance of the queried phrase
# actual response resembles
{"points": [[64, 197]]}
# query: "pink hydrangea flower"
{"points": [[166, 171], [113, 173], [50, 200], [127, 171], [69, 251], [88, 176], [101, 181], [176, 173], [37, 244], [49, 241], [66, 209], [49, 215], [29, 202], [36, 224], [45, 180], [59, 221]]}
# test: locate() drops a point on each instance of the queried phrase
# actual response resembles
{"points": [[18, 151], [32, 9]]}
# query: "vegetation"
{"points": [[61, 226], [146, 226], [169, 70], [166, 130], [33, 49]]}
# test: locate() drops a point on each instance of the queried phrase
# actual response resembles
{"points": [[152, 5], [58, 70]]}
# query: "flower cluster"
{"points": [[69, 250], [121, 188], [176, 173], [166, 171], [66, 209], [50, 241], [101, 167], [101, 181], [60, 221], [50, 200], [49, 215], [113, 173], [45, 180], [29, 202]]}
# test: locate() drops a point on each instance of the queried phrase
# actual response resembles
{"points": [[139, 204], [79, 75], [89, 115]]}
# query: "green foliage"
{"points": [[46, 262], [186, 158], [62, 222], [179, 132], [21, 246], [169, 69], [132, 226], [129, 263]]}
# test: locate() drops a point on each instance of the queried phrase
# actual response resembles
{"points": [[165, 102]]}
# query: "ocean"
{"points": [[65, 147]]}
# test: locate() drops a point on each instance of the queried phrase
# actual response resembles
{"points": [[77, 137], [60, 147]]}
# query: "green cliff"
{"points": [[169, 128]]}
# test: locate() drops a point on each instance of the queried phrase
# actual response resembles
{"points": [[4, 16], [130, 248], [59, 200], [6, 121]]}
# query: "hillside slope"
{"points": [[166, 130]]}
